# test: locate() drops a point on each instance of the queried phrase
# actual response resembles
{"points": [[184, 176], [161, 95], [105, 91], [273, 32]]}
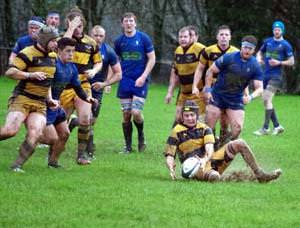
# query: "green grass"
{"points": [[135, 190]]}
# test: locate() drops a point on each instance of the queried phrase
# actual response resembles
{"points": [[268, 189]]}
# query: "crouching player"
{"points": [[191, 139], [57, 132]]}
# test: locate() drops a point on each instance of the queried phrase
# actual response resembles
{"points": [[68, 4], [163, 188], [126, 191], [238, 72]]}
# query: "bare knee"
{"points": [[137, 115], [236, 130], [238, 145], [84, 119], [126, 116]]}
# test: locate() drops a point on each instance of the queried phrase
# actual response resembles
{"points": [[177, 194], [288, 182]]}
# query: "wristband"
{"points": [[27, 75], [207, 90]]}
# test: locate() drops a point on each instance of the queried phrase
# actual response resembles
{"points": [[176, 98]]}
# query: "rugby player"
{"points": [[137, 58], [194, 139]]}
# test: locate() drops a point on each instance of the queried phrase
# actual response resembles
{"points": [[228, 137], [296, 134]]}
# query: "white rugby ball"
{"points": [[190, 167]]}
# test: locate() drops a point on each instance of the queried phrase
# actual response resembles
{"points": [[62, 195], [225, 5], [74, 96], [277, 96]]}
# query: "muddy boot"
{"points": [[264, 177]]}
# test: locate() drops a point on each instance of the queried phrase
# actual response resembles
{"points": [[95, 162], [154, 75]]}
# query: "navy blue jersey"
{"points": [[109, 58], [235, 74], [275, 49], [66, 73], [23, 42], [132, 52]]}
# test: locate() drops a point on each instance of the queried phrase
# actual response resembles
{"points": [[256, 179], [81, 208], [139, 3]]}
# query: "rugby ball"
{"points": [[190, 167]]}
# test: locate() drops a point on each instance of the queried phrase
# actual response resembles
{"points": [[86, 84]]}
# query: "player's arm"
{"points": [[197, 77], [171, 165], [149, 66], [209, 149], [289, 62], [173, 82], [17, 74], [92, 72], [260, 57], [11, 57], [209, 77], [53, 104], [114, 75]]}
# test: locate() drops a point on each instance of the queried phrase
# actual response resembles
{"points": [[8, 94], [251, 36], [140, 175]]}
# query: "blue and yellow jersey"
{"points": [[187, 142], [185, 64], [86, 55], [211, 53], [275, 49], [33, 59]]}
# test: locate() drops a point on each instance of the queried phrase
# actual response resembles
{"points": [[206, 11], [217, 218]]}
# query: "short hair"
{"points": [[96, 28], [65, 41], [128, 14], [74, 12], [184, 29], [251, 39], [193, 28], [223, 27]]}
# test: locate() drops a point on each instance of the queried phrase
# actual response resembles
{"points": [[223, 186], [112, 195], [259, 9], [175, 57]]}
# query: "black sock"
{"points": [[268, 113], [274, 119], [127, 131]]}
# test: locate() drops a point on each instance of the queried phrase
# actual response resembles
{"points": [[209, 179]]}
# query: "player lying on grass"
{"points": [[193, 142]]}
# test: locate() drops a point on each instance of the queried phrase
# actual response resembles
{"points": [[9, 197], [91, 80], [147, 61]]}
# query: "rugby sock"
{"points": [[90, 144], [274, 118], [25, 151], [127, 131], [83, 136], [268, 113], [141, 137]]}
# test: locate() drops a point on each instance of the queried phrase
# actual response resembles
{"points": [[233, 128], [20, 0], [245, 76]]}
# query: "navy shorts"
{"points": [[223, 102], [56, 117], [127, 89]]}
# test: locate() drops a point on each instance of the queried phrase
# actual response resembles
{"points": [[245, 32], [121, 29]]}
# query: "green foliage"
{"points": [[135, 190]]}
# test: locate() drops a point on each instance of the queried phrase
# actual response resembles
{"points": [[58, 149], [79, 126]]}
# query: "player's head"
{"points": [[66, 49], [76, 12], [47, 38], [190, 112], [184, 37], [98, 34], [223, 35], [248, 45], [278, 29], [193, 33], [53, 19], [34, 25], [128, 21]]}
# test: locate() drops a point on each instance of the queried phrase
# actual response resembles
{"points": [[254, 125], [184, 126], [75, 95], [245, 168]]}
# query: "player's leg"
{"points": [[138, 119], [213, 114], [35, 124], [126, 106], [240, 146], [236, 120], [84, 114], [12, 125]]}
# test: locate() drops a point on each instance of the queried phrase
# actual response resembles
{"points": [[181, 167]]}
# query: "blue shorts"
{"points": [[56, 117], [223, 102], [272, 81], [127, 89]]}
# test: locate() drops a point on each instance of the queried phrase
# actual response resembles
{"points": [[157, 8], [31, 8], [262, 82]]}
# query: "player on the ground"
{"points": [[194, 139], [274, 53], [88, 63], [186, 58], [234, 72], [137, 58], [34, 68], [56, 132]]}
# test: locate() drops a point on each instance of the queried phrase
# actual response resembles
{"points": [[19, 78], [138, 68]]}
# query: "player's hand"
{"points": [[196, 91], [140, 82], [173, 175], [73, 24], [53, 104], [107, 89], [247, 99], [168, 98], [98, 85], [37, 76], [274, 62], [90, 73], [92, 100]]}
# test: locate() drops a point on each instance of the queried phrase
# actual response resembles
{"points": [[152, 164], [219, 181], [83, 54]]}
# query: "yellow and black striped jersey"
{"points": [[86, 55], [213, 52], [187, 142], [33, 59], [185, 64]]}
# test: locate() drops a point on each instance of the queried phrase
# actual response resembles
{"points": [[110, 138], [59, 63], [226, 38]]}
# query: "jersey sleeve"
{"points": [[17, 47], [288, 50], [21, 61], [171, 145], [148, 46], [117, 48], [96, 55], [263, 47], [222, 61], [112, 56], [204, 57], [258, 74], [208, 136]]}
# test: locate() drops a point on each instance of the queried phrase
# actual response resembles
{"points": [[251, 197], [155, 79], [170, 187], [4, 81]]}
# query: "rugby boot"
{"points": [[264, 177], [127, 131]]}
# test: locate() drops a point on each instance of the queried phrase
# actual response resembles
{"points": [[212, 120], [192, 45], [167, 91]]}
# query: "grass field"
{"points": [[135, 190]]}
